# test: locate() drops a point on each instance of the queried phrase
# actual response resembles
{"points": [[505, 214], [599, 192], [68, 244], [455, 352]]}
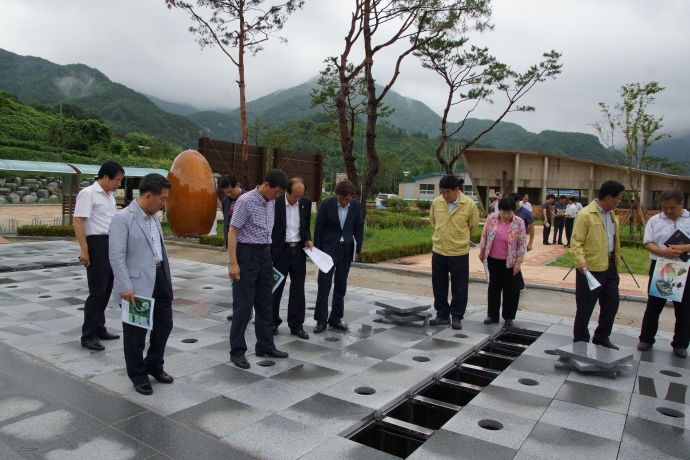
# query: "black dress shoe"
{"points": [[163, 377], [605, 343], [275, 330], [439, 321], [489, 320], [230, 317], [508, 323], [144, 389], [301, 334], [93, 345], [273, 354], [240, 361], [456, 324], [108, 336], [319, 328], [340, 327]]}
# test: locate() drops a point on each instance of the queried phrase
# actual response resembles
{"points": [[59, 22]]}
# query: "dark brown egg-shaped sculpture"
{"points": [[191, 206]]}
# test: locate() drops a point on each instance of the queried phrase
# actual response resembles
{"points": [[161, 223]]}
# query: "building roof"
{"points": [[35, 166], [422, 176], [92, 170]]}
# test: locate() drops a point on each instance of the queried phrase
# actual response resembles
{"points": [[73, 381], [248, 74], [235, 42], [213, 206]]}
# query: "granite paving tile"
{"points": [[662, 389], [330, 415], [554, 442], [664, 358], [646, 408], [594, 396], [374, 320], [444, 347], [338, 448], [374, 349], [656, 437], [397, 374], [507, 430], [588, 420], [546, 344], [664, 372], [38, 340], [311, 376], [334, 339], [342, 361], [279, 365], [270, 395], [446, 444], [283, 439], [181, 364], [512, 402], [305, 350], [93, 364], [421, 359], [105, 443], [630, 452], [395, 337], [20, 330], [222, 379], [624, 381], [525, 381], [177, 440], [219, 417], [385, 394], [219, 351]]}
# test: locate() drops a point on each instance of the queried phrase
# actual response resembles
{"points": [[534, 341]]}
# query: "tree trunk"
{"points": [[346, 132], [243, 108]]}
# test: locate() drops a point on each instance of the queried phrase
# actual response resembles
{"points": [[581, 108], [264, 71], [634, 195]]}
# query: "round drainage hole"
{"points": [[190, 340], [550, 352], [421, 359], [377, 320], [332, 339], [44, 296], [208, 287], [80, 308], [310, 308], [670, 412], [528, 382], [492, 425], [671, 373], [365, 391], [460, 336], [266, 363], [12, 286], [77, 278]]}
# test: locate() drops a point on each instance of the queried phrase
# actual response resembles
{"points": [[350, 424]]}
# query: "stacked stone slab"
{"points": [[404, 312], [593, 359]]}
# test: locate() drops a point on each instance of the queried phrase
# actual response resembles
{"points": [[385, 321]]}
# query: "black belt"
{"points": [[610, 255], [98, 236], [261, 247], [159, 264], [294, 245]]}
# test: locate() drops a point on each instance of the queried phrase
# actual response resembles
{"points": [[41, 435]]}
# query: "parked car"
{"points": [[385, 196]]}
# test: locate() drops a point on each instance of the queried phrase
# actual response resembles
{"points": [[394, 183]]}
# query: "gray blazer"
{"points": [[131, 253]]}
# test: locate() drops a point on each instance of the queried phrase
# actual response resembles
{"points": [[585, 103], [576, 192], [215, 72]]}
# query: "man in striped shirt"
{"points": [[93, 212], [251, 267]]}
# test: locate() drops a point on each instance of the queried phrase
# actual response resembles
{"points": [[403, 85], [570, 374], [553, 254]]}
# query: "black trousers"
{"points": [[341, 270], [134, 339], [459, 269], [547, 232], [253, 289], [569, 228], [558, 225], [586, 299], [502, 281], [292, 261], [655, 305], [100, 279]]}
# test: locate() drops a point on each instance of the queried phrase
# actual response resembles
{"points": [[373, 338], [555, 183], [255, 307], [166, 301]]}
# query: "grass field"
{"points": [[637, 260]]}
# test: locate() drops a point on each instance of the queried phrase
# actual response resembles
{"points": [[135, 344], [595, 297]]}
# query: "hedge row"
{"points": [[212, 240], [369, 256], [383, 219], [44, 230]]}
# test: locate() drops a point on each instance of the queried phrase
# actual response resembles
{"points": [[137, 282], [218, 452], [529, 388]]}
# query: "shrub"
{"points": [[629, 243], [383, 219], [396, 205], [423, 205], [476, 237], [212, 240], [369, 256], [44, 230]]}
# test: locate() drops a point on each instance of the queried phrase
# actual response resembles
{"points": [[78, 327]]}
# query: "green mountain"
{"points": [[173, 107], [36, 80]]}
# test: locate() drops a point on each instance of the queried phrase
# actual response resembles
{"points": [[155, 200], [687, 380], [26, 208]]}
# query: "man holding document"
{"points": [[338, 231], [596, 248], [140, 267], [290, 238], [671, 226]]}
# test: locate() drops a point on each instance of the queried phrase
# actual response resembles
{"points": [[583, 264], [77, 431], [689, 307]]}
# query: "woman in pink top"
{"points": [[503, 245]]}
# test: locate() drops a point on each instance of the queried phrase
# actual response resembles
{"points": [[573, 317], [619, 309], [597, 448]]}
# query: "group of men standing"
{"points": [[563, 214]]}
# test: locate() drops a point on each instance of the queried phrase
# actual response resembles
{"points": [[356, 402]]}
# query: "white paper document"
{"points": [[320, 259], [354, 254], [591, 281], [486, 269], [140, 314]]}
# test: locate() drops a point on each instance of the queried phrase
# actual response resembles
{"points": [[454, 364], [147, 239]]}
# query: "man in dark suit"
{"points": [[232, 189], [338, 232], [140, 267], [291, 233]]}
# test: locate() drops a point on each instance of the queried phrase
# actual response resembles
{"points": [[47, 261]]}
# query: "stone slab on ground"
{"points": [[594, 354]]}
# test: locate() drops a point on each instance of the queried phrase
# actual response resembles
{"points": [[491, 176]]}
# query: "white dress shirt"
{"points": [[527, 204], [610, 226], [571, 210], [154, 234], [660, 228], [292, 222], [452, 205], [97, 206], [342, 216]]}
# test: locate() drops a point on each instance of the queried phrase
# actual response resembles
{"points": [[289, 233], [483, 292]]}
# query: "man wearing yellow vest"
{"points": [[454, 217], [595, 245]]}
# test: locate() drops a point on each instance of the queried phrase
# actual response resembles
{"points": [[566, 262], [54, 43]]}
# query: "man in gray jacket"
{"points": [[140, 267]]}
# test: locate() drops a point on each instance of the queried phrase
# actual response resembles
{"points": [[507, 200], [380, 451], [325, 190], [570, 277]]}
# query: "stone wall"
{"points": [[18, 190]]}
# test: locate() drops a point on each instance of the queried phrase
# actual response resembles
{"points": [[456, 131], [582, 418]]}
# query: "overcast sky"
{"points": [[143, 45]]}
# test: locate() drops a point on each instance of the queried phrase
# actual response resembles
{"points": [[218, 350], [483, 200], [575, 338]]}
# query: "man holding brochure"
{"points": [[291, 236], [596, 248], [660, 229], [140, 267], [338, 231]]}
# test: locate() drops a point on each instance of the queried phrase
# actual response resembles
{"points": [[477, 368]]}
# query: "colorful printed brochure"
{"points": [[669, 278], [277, 279], [140, 314]]}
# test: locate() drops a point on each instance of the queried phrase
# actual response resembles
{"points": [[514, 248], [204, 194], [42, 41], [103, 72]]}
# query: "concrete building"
{"points": [[425, 187]]}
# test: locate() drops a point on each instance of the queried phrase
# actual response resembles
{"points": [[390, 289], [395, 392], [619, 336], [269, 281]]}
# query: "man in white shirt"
{"points": [[94, 209], [525, 203], [570, 213], [494, 204], [659, 229], [291, 234]]}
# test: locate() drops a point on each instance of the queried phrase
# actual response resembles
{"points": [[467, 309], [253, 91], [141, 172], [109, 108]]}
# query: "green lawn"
{"points": [[376, 238], [637, 260]]}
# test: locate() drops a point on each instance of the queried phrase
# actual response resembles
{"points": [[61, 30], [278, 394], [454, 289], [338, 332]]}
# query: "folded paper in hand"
{"points": [[591, 281], [320, 259], [140, 314]]}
